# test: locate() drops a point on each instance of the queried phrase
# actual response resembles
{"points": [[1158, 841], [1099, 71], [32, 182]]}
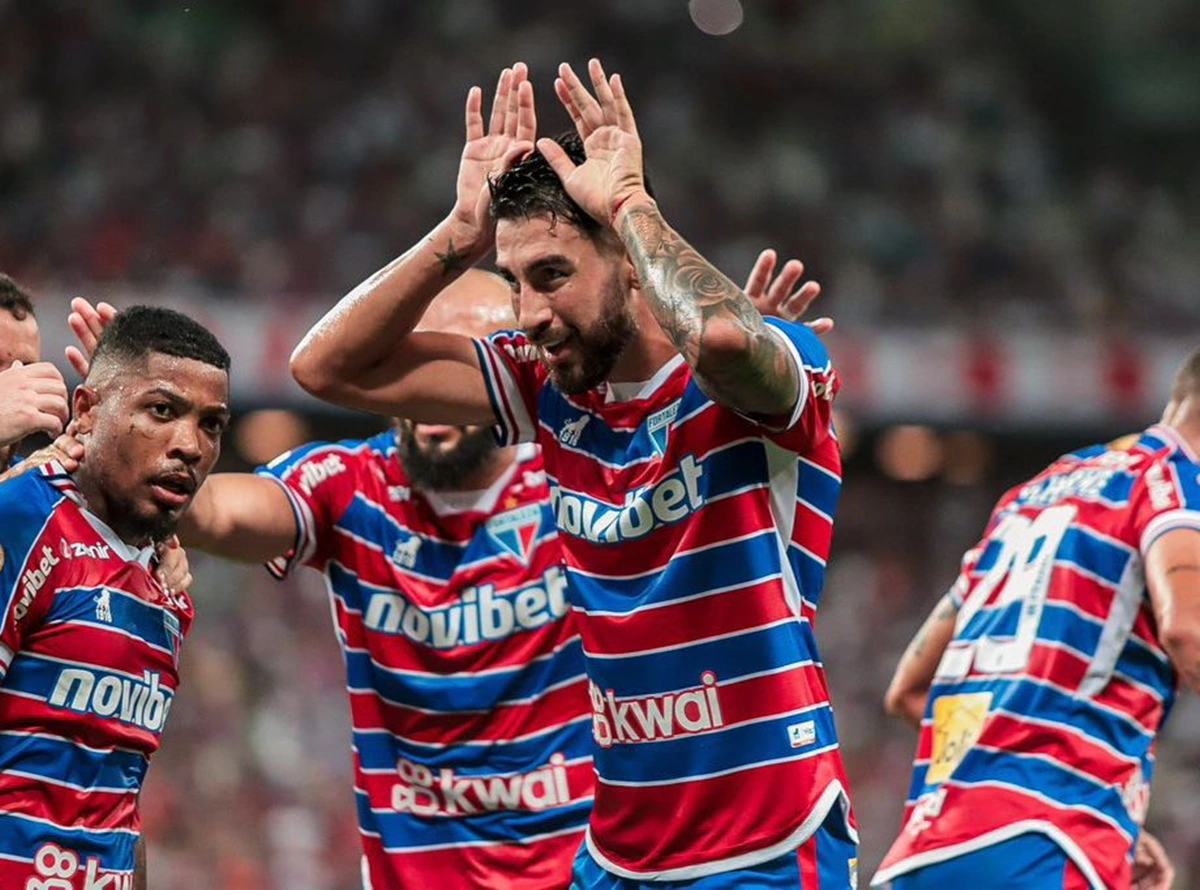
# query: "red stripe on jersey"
{"points": [[704, 805], [810, 875], [65, 805], [536, 865], [675, 624]]}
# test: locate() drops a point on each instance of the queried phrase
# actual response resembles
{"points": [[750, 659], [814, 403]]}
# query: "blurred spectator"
{"points": [[931, 159]]}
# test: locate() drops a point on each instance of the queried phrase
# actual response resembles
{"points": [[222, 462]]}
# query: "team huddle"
{"points": [[575, 581]]}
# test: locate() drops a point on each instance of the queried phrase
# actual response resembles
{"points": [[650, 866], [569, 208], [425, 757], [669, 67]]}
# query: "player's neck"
{"points": [[495, 467], [99, 506], [1187, 427], [647, 351]]}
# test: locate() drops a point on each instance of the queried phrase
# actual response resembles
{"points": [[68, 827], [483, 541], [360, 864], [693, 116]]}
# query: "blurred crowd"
{"points": [[251, 790], [962, 160]]}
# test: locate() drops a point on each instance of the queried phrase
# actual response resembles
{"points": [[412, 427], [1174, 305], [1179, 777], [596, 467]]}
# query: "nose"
{"points": [[187, 442], [533, 311]]}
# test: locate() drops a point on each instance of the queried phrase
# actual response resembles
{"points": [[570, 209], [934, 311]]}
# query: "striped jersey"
{"points": [[471, 734], [695, 541], [1045, 707], [89, 655]]}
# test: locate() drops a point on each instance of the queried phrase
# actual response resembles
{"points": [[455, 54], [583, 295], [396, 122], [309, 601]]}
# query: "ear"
{"points": [[629, 273], [84, 403]]}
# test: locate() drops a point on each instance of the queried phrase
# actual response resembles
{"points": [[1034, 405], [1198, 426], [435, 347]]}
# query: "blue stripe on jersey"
{"points": [[379, 751], [399, 831], [129, 613], [737, 747], [127, 700], [1095, 555], [20, 838], [465, 692], [726, 565], [1139, 664], [812, 350], [1043, 776], [819, 487], [752, 652], [64, 761], [809, 572], [1059, 624], [26, 503], [435, 559], [1021, 696]]}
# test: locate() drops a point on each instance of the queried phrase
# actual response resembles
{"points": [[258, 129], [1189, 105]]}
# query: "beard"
{"points": [[436, 469], [601, 345]]}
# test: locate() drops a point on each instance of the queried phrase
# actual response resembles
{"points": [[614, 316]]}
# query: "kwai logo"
{"points": [[622, 721], [644, 509], [59, 869], [480, 614], [658, 426], [516, 531], [424, 792]]}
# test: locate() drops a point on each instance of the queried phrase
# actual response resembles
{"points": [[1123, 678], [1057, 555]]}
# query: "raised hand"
{"points": [[1152, 867], [33, 399], [87, 322], [66, 449], [612, 175], [773, 294], [487, 153]]}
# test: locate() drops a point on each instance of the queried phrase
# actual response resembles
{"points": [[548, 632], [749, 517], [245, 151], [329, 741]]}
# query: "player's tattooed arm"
{"points": [[909, 689], [710, 319]]}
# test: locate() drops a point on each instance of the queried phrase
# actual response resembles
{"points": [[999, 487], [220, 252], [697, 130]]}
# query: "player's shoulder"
{"points": [[31, 495], [332, 458], [813, 354]]}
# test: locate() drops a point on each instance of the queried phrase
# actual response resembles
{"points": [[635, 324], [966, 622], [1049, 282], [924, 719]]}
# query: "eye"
{"points": [[162, 410], [214, 426]]}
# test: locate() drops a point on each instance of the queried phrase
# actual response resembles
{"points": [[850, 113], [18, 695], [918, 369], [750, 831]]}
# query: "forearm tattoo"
{"points": [[687, 295], [453, 261]]}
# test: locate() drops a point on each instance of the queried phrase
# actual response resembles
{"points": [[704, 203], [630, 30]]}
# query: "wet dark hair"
{"points": [[531, 189], [140, 331], [15, 299]]}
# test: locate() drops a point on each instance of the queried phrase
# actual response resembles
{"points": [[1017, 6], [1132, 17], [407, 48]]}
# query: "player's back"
{"points": [[1047, 701], [468, 699], [89, 665]]}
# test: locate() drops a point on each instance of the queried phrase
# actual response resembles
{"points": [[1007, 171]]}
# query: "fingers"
{"points": [[783, 285], [625, 118], [559, 161], [474, 114], [520, 75], [604, 93], [797, 304], [526, 113], [78, 361], [820, 326], [68, 446], [575, 96], [500, 103], [515, 152], [760, 274]]}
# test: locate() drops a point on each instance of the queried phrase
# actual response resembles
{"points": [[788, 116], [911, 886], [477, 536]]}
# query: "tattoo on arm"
{"points": [[943, 612], [689, 296], [453, 261]]}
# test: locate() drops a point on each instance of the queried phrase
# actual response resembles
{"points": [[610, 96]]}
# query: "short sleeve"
{"points": [[26, 506], [514, 377], [319, 481], [811, 419], [1166, 497]]}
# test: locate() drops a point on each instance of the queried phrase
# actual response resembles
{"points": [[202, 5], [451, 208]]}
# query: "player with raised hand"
{"points": [[1042, 679], [694, 475]]}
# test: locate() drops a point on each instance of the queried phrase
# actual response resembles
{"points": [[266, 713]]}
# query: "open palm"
{"points": [[487, 153], [612, 172]]}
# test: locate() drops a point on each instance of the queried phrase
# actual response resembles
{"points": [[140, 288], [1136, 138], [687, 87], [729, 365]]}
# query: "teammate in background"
{"points": [[1050, 667], [33, 395], [693, 474], [89, 639]]}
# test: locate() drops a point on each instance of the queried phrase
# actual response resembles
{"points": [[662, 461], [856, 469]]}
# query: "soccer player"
{"points": [[89, 638], [33, 395], [1050, 667], [693, 473]]}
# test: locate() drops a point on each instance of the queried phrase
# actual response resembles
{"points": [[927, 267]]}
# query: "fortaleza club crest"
{"points": [[658, 425], [516, 531]]}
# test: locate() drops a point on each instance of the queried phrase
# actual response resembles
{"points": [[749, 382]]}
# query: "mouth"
{"points": [[173, 490], [556, 350]]}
